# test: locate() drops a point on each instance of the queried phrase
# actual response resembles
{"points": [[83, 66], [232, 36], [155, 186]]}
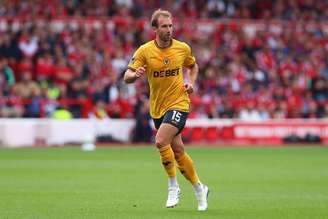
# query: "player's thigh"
{"points": [[170, 125], [176, 118], [165, 134], [177, 146]]}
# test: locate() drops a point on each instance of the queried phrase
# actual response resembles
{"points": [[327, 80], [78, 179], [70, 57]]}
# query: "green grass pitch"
{"points": [[128, 182]]}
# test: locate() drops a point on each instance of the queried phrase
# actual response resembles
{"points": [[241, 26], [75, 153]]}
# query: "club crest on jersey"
{"points": [[166, 61]]}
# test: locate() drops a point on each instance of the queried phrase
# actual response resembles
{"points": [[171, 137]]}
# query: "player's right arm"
{"points": [[131, 76], [136, 67]]}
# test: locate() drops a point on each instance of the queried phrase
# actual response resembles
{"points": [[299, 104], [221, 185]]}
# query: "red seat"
{"points": [[186, 134], [197, 134], [211, 134], [227, 133]]}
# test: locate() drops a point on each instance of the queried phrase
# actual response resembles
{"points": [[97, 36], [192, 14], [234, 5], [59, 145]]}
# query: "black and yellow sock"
{"points": [[167, 158], [187, 168]]}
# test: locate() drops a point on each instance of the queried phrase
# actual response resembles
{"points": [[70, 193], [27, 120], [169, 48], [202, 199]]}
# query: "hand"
{"points": [[189, 88], [140, 71]]}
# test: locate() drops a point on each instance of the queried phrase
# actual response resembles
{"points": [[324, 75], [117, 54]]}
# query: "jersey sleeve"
{"points": [[138, 59], [190, 58]]}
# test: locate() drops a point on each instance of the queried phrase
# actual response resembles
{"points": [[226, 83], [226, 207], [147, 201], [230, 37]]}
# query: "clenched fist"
{"points": [[189, 88], [140, 71]]}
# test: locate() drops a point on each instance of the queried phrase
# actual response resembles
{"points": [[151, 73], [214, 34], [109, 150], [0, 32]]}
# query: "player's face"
{"points": [[164, 29]]}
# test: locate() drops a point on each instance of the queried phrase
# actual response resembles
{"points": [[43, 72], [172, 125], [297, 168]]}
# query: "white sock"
{"points": [[173, 182], [198, 187]]}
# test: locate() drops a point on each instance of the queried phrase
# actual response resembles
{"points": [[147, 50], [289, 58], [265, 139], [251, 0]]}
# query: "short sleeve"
{"points": [[190, 59], [137, 60]]}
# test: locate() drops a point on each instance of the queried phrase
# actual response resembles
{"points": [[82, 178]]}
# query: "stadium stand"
{"points": [[255, 63]]}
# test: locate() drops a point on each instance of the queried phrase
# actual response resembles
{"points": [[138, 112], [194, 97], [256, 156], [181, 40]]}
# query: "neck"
{"points": [[162, 44]]}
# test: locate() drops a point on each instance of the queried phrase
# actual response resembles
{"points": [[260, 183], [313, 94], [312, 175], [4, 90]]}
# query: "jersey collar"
{"points": [[163, 47]]}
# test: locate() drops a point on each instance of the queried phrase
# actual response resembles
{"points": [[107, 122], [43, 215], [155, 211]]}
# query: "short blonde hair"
{"points": [[156, 14]]}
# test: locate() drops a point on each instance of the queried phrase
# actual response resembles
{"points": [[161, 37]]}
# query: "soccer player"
{"points": [[163, 60]]}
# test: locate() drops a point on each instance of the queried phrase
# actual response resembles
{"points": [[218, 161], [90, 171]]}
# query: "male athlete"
{"points": [[162, 60]]}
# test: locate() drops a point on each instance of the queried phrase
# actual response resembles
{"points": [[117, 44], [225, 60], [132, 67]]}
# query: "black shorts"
{"points": [[174, 117]]}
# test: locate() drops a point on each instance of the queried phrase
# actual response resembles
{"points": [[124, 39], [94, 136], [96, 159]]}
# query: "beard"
{"points": [[165, 37]]}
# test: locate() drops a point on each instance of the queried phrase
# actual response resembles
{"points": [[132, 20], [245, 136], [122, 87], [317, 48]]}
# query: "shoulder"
{"points": [[141, 50], [181, 44], [148, 45]]}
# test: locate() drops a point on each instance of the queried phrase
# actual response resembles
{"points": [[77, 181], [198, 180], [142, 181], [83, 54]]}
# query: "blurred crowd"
{"points": [[249, 69], [247, 9]]}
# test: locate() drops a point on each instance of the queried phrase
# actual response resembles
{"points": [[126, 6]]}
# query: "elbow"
{"points": [[193, 67], [126, 78], [129, 76], [196, 67]]}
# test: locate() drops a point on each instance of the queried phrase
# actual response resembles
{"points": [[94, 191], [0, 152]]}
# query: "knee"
{"points": [[160, 142], [178, 152]]}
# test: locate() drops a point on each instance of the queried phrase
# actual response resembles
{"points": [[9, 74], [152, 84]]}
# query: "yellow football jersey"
{"points": [[165, 76]]}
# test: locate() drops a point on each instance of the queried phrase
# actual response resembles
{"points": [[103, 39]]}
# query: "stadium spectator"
{"points": [[254, 9], [99, 110], [142, 131], [7, 77], [250, 112], [62, 113]]}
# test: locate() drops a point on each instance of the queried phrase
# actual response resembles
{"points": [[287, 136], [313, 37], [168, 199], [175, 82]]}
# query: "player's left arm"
{"points": [[192, 70], [191, 73]]}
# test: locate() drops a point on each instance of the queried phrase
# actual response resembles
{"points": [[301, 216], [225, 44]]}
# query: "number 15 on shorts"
{"points": [[176, 116]]}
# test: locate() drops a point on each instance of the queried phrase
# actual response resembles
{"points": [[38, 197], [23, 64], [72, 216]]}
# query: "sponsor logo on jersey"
{"points": [[166, 73]]}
